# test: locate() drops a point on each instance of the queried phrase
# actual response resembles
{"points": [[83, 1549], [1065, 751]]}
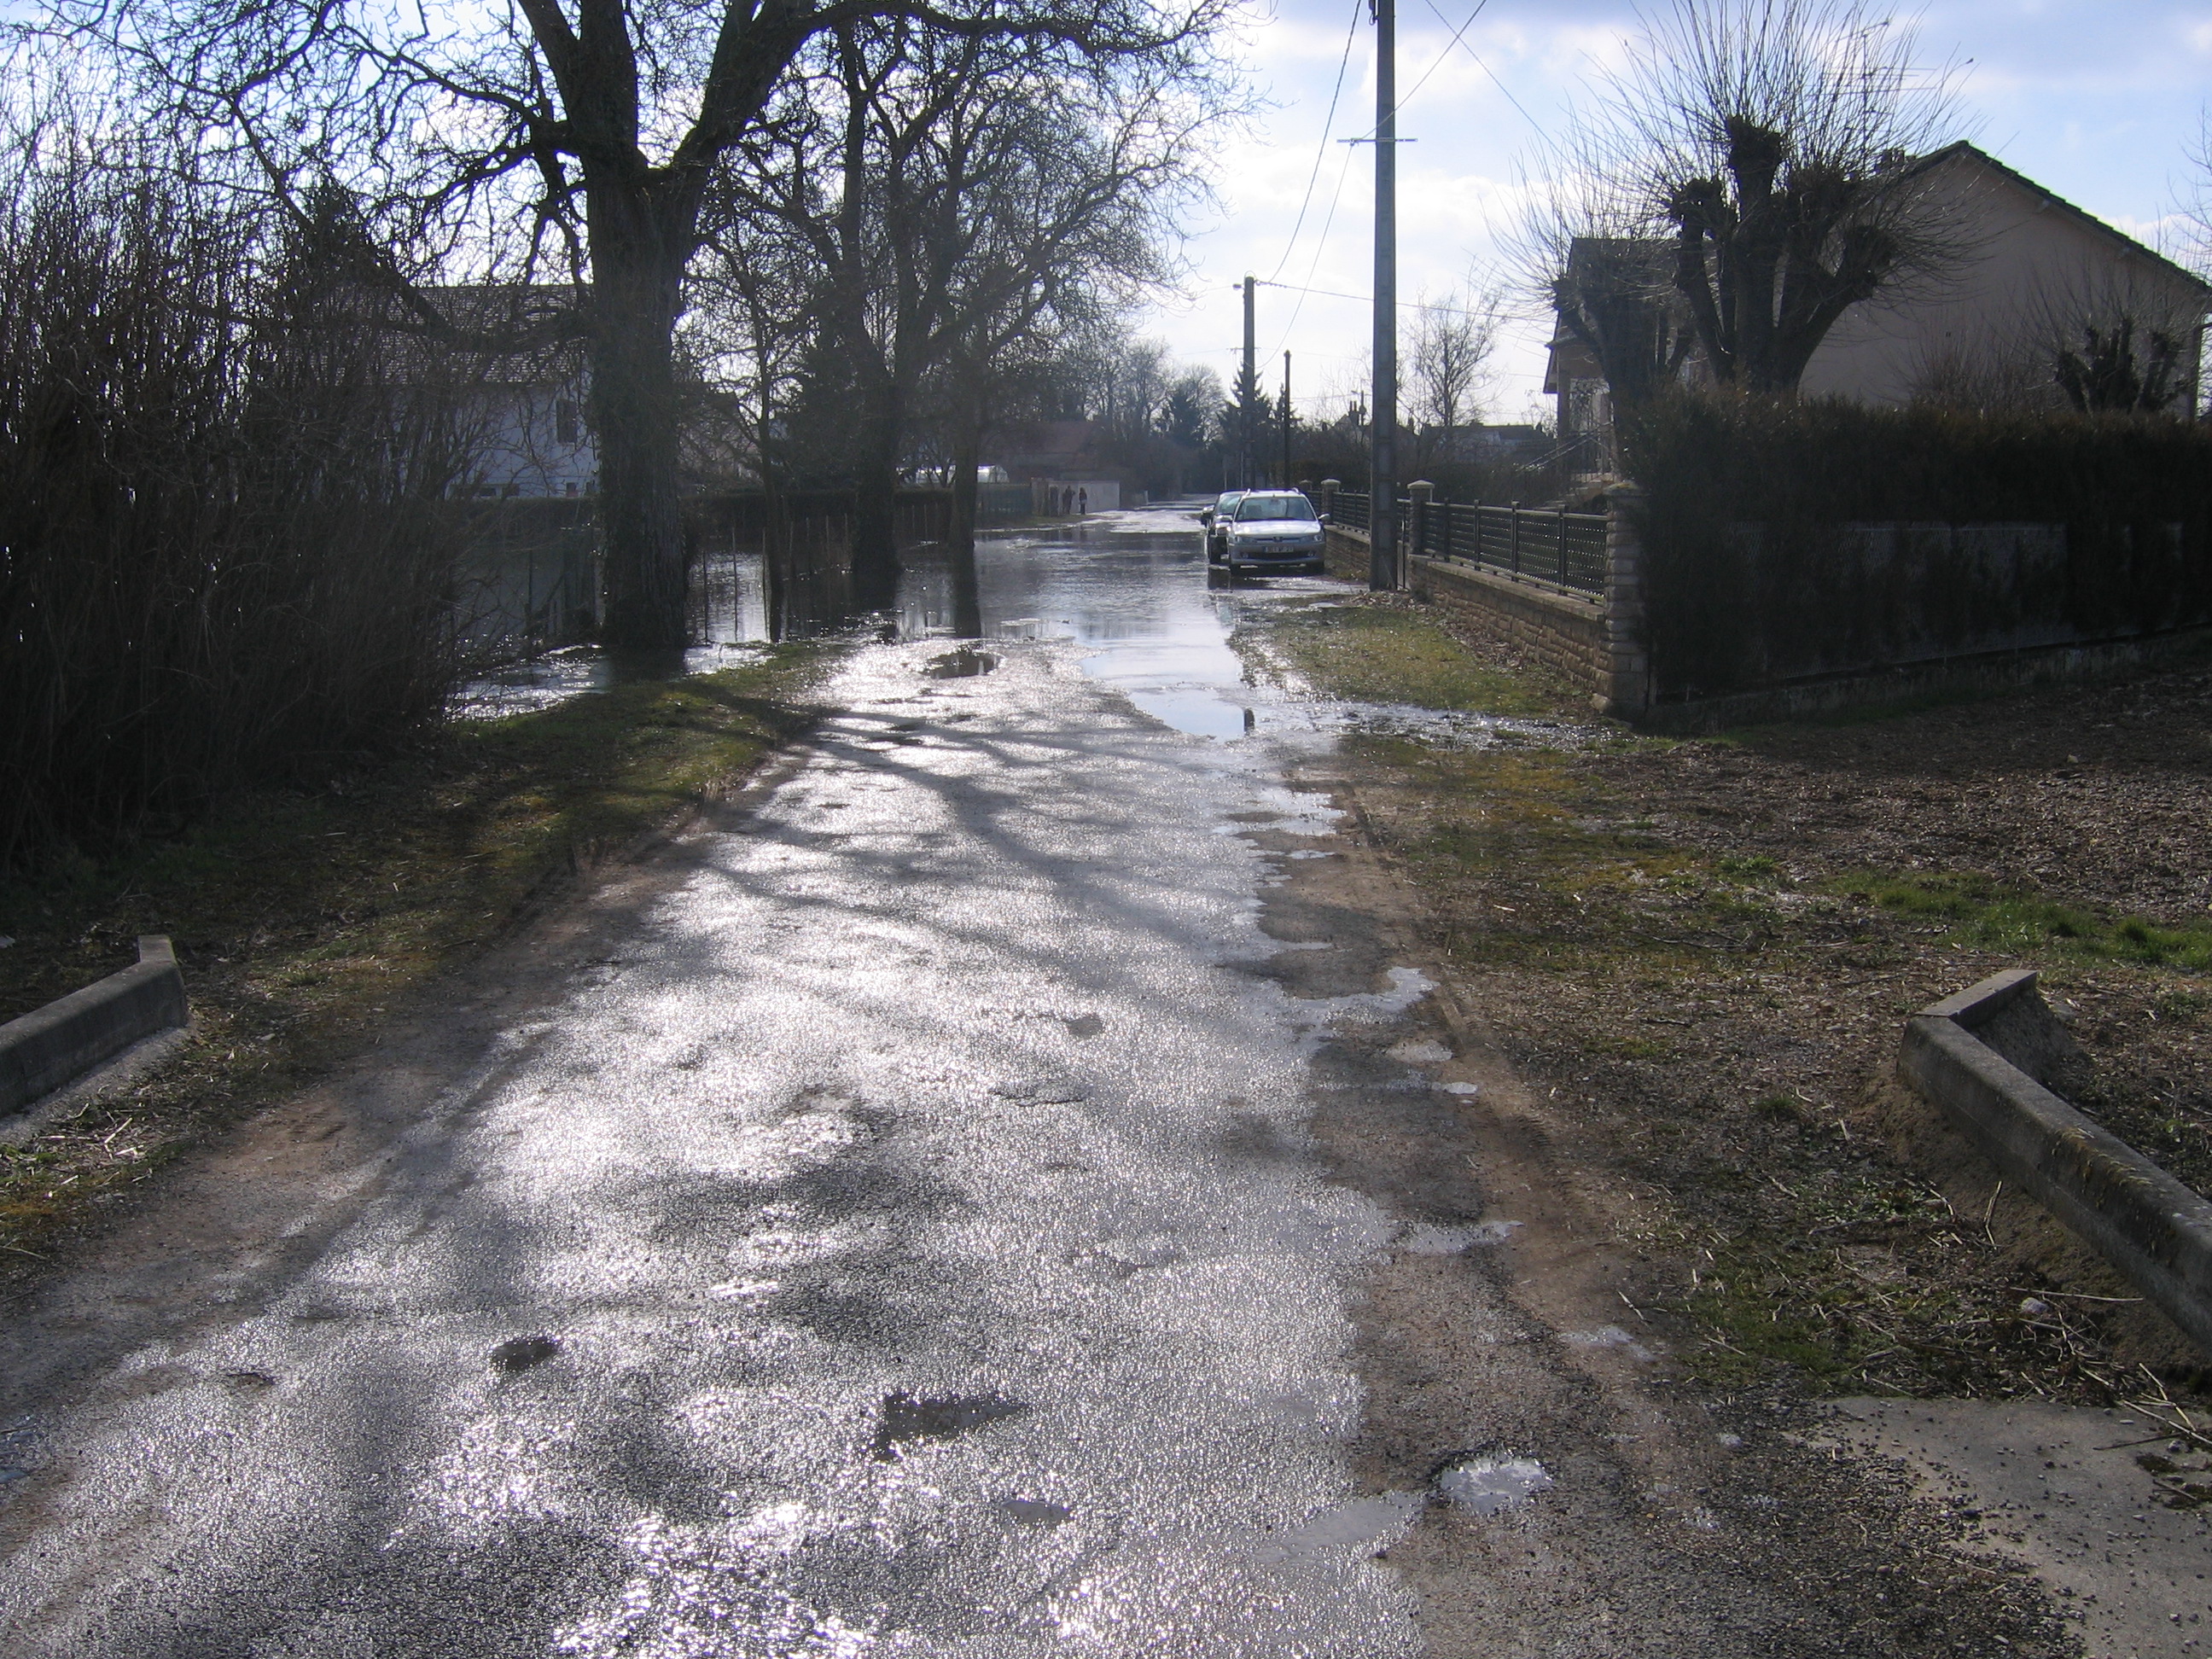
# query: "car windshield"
{"points": [[1274, 507], [1228, 499]]}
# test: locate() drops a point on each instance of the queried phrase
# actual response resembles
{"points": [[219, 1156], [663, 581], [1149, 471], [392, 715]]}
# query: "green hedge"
{"points": [[1762, 563]]}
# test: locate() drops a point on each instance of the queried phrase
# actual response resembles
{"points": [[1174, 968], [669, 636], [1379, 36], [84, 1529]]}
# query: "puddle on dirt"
{"points": [[1490, 1483], [904, 1417], [525, 687], [1429, 1238], [1609, 1336]]}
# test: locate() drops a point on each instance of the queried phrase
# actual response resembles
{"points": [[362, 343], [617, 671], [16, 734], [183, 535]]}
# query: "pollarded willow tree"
{"points": [[1751, 172], [570, 142]]}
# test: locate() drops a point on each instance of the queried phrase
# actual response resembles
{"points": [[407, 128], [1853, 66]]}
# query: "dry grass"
{"points": [[1705, 951]]}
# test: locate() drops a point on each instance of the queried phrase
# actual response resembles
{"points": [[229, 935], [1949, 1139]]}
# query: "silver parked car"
{"points": [[1271, 530]]}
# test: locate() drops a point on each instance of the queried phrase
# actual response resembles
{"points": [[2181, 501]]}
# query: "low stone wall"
{"points": [[1564, 631], [1346, 554], [57, 1044]]}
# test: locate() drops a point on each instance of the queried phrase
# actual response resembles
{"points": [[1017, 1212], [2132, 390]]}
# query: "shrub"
{"points": [[222, 556]]}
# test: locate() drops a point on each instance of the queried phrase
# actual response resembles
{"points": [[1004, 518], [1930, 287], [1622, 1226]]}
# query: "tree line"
{"points": [[838, 221]]}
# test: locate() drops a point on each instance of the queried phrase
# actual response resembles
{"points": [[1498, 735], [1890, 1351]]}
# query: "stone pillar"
{"points": [[1422, 492], [1329, 488], [1625, 687]]}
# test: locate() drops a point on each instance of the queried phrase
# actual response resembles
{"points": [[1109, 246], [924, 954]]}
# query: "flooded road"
{"points": [[1130, 586], [1005, 1186], [886, 1231]]}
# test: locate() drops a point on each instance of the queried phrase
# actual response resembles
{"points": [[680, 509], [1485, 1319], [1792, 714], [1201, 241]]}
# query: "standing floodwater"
{"points": [[1133, 585]]}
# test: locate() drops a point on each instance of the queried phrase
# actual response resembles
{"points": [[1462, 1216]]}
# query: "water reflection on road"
{"points": [[1132, 587]]}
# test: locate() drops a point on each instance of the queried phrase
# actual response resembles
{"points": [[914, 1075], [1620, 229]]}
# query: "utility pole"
{"points": [[1382, 469], [1285, 480], [1247, 394]]}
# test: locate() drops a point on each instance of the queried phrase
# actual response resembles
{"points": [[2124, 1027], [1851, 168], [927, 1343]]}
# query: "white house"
{"points": [[525, 409], [535, 439]]}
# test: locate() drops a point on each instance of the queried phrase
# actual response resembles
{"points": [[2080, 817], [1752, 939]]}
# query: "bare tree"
{"points": [[1445, 365], [958, 196], [1751, 173], [579, 136]]}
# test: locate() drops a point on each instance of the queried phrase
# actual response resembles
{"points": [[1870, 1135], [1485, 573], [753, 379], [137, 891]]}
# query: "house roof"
{"points": [[1584, 247], [1965, 151]]}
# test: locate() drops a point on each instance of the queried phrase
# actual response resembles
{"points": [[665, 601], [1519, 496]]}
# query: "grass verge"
{"points": [[1390, 652], [301, 918], [1690, 950]]}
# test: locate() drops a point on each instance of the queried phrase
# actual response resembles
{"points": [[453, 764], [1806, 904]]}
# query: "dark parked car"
{"points": [[1216, 520]]}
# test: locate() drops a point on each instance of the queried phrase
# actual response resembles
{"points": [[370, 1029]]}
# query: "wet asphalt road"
{"points": [[895, 1241]]}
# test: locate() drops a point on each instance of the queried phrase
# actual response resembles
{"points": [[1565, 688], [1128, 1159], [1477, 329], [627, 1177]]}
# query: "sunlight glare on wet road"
{"points": [[902, 1240]]}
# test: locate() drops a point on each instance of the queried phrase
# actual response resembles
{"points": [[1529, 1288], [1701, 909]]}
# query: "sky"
{"points": [[2100, 103]]}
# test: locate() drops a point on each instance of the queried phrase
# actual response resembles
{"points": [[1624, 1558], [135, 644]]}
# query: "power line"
{"points": [[1484, 67], [1321, 245], [1434, 64], [1446, 52], [1327, 123], [1363, 299], [1345, 172]]}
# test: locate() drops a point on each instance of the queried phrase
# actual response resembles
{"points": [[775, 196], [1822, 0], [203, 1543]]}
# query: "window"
{"points": [[1274, 507], [565, 425]]}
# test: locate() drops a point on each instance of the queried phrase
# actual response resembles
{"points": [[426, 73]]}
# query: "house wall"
{"points": [[525, 453], [2026, 263]]}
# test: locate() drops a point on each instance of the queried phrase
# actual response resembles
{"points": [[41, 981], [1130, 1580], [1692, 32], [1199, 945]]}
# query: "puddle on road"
{"points": [[1131, 588], [521, 1353], [1490, 1483], [903, 1417], [964, 664], [1033, 1511]]}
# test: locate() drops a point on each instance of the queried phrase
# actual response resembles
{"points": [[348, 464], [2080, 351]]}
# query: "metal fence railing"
{"points": [[1545, 545]]}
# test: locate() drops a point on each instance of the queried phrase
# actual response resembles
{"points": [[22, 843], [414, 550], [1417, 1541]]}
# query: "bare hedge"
{"points": [[1790, 539]]}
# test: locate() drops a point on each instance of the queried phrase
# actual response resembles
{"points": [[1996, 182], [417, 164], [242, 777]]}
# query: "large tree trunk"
{"points": [[641, 242], [960, 535], [875, 500]]}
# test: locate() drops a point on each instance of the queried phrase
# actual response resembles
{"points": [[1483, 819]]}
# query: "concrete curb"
{"points": [[1971, 1055], [61, 1041]]}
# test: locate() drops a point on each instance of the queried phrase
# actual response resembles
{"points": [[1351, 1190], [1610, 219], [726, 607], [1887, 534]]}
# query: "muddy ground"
{"points": [[1701, 953]]}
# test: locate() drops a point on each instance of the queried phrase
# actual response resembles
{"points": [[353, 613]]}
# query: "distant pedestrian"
{"points": [[1083, 503]]}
